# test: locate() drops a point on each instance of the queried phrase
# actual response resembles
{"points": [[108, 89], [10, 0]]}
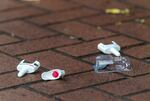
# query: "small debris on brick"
{"points": [[99, 28], [54, 74], [140, 21], [72, 37], [12, 34], [32, 1], [25, 68], [125, 11], [118, 23]]}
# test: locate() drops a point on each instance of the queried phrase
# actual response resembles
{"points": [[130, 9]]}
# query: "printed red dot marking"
{"points": [[55, 74]]}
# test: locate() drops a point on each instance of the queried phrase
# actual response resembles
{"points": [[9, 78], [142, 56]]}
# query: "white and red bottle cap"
{"points": [[53, 74]]}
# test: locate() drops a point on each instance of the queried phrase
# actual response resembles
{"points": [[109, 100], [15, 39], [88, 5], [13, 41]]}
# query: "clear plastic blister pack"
{"points": [[109, 63]]}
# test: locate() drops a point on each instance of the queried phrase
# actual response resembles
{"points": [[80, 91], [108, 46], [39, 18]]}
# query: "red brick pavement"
{"points": [[64, 34]]}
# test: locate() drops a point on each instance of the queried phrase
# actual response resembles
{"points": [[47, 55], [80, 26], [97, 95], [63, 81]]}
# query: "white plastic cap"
{"points": [[53, 74]]}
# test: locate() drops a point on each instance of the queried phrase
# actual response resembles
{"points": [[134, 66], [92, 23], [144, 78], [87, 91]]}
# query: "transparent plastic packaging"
{"points": [[108, 63]]}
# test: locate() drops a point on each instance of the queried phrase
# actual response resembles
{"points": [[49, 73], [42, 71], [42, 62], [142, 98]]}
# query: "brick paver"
{"points": [[74, 82], [147, 21], [22, 94], [63, 16], [25, 30], [91, 47], [141, 96], [11, 79], [64, 34], [138, 31], [106, 19], [81, 30], [19, 13], [9, 4], [87, 95], [139, 51], [55, 5], [36, 45], [142, 3], [125, 87], [5, 39], [102, 4], [5, 66], [52, 60]]}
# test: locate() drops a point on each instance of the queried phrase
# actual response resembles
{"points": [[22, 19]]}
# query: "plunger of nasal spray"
{"points": [[25, 68], [113, 48]]}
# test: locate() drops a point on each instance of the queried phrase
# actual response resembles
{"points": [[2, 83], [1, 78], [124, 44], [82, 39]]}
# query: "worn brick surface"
{"points": [[24, 30], [87, 95], [11, 79], [51, 60], [9, 4], [19, 13], [141, 97], [91, 59], [91, 47], [36, 45], [106, 19], [64, 34], [147, 21], [74, 82], [80, 30], [5, 66], [142, 3], [128, 86], [55, 5], [148, 60], [62, 16], [5, 39], [139, 51], [139, 31], [22, 94], [102, 4]]}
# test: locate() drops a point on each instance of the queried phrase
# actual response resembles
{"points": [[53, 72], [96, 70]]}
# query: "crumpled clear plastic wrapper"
{"points": [[109, 63]]}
